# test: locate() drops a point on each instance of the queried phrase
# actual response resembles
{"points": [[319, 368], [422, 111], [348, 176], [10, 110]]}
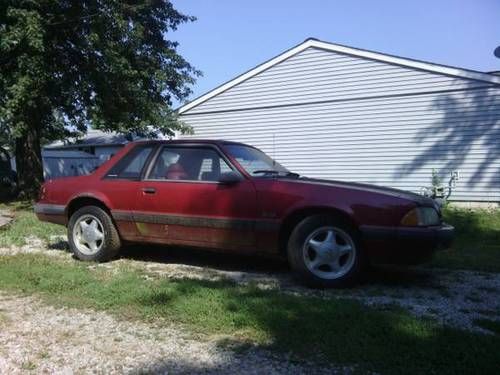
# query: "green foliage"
{"points": [[340, 331], [438, 190], [436, 180], [104, 63], [66, 65]]}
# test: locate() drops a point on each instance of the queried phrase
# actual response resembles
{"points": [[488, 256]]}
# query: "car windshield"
{"points": [[255, 162]]}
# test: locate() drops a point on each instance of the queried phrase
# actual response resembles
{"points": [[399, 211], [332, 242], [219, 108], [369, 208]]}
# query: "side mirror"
{"points": [[229, 178]]}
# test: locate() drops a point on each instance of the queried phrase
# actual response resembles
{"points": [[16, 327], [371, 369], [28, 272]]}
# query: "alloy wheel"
{"points": [[329, 252], [88, 234]]}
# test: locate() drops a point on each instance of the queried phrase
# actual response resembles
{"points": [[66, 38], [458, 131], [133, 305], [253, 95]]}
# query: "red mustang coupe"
{"points": [[233, 197]]}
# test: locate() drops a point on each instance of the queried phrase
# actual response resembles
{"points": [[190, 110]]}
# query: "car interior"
{"points": [[189, 164]]}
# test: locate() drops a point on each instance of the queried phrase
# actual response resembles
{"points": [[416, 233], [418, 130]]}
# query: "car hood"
{"points": [[416, 198]]}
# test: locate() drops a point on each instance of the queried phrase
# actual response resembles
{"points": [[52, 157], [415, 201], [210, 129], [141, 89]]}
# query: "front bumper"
{"points": [[405, 245]]}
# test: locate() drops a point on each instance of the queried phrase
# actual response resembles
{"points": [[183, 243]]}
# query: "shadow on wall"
{"points": [[466, 124]]}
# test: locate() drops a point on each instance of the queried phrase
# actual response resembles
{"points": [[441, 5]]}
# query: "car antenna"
{"points": [[274, 150]]}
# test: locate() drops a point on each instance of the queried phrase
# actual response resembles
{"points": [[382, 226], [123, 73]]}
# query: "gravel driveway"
{"points": [[50, 340], [42, 339]]}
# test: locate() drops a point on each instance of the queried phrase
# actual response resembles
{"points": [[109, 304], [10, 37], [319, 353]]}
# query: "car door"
{"points": [[120, 185], [181, 200]]}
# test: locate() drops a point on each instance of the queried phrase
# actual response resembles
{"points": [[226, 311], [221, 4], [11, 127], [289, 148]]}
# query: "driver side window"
{"points": [[188, 164]]}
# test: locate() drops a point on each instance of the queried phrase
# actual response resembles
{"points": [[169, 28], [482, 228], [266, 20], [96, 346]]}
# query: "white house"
{"points": [[337, 112]]}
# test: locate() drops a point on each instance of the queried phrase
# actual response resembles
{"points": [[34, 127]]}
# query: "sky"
{"points": [[231, 37]]}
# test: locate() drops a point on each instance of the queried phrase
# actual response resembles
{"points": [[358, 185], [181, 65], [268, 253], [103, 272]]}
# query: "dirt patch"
{"points": [[6, 218]]}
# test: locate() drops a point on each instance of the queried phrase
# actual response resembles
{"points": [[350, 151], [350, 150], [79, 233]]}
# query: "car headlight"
{"points": [[421, 217]]}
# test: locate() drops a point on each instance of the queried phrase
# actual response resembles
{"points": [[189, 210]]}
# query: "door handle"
{"points": [[149, 190]]}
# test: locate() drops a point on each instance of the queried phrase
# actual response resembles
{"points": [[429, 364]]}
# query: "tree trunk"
{"points": [[29, 163]]}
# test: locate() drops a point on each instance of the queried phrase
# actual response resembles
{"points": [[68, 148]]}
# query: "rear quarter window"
{"points": [[132, 164]]}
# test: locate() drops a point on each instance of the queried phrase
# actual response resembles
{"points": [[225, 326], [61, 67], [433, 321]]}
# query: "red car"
{"points": [[233, 197]]}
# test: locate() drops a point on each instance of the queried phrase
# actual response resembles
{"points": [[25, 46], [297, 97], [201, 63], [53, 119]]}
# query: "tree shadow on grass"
{"points": [[477, 241], [204, 258], [380, 274], [16, 204], [338, 332], [475, 226], [59, 244], [329, 331]]}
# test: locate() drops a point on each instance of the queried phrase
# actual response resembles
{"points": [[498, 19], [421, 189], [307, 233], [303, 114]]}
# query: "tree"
{"points": [[66, 65]]}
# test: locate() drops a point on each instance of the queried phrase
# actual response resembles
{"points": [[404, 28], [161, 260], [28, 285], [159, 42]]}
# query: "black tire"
{"points": [[111, 242], [296, 258]]}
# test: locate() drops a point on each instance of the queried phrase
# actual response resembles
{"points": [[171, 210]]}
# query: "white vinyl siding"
{"points": [[328, 115], [317, 75]]}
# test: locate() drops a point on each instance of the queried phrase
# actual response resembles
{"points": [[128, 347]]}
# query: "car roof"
{"points": [[190, 141]]}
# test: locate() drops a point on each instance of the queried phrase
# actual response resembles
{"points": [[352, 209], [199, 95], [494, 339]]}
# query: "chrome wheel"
{"points": [[329, 252], [88, 234]]}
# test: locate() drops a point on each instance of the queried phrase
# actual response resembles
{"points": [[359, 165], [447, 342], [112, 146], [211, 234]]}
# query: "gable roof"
{"points": [[93, 137], [96, 138], [311, 42]]}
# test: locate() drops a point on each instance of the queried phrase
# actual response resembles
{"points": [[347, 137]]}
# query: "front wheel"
{"points": [[325, 252], [92, 235]]}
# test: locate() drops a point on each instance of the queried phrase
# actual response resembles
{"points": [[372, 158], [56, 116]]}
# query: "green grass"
{"points": [[340, 331], [28, 366], [477, 241], [26, 224]]}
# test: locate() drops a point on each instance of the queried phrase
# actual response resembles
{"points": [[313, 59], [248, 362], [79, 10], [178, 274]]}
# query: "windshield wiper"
{"points": [[275, 172], [270, 171]]}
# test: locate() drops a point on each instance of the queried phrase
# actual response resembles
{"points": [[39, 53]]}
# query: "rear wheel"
{"points": [[325, 252], [92, 235]]}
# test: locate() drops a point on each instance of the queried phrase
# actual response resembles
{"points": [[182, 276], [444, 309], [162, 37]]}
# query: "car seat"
{"points": [[175, 171]]}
